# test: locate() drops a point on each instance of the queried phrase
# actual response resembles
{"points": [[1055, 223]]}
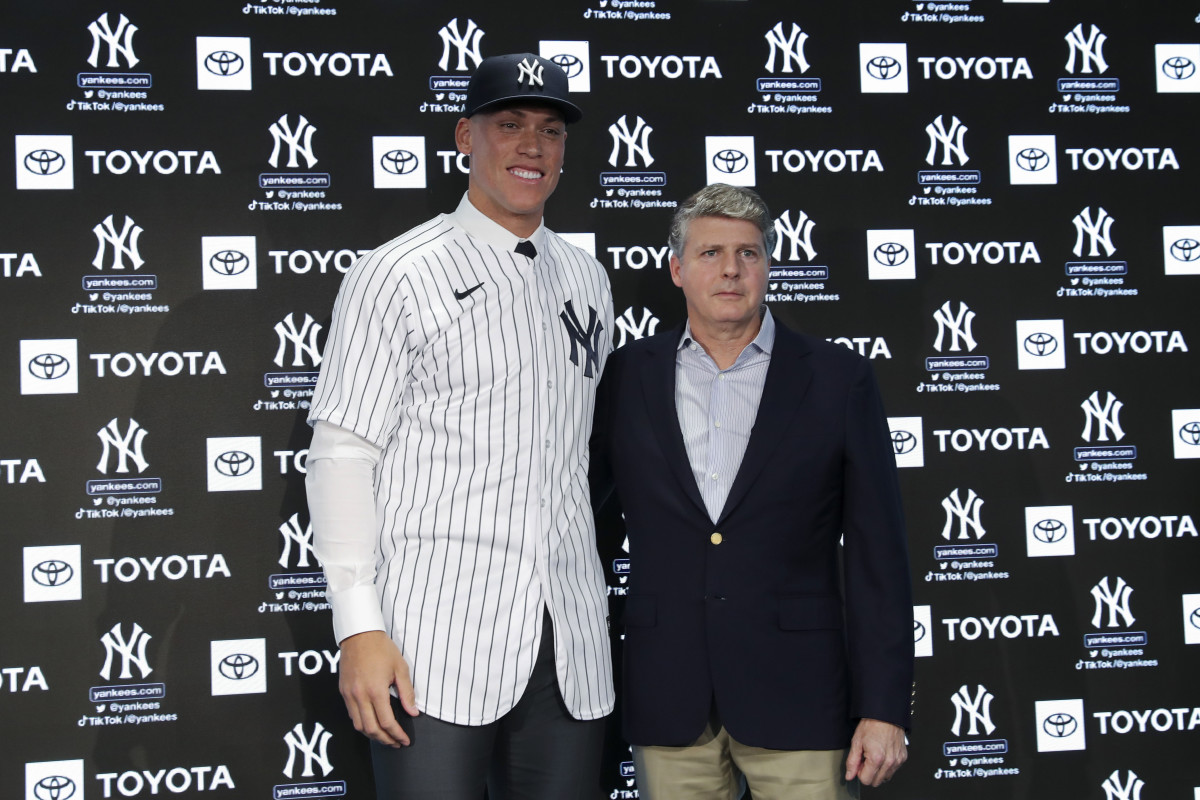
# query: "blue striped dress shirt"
{"points": [[717, 408]]}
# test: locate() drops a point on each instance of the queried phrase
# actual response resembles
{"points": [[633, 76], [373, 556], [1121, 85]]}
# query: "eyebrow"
{"points": [[735, 246], [545, 114]]}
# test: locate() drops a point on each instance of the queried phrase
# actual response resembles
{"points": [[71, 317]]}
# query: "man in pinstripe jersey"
{"points": [[447, 475]]}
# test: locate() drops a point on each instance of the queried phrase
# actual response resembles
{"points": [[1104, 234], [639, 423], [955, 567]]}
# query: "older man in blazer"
{"points": [[768, 625]]}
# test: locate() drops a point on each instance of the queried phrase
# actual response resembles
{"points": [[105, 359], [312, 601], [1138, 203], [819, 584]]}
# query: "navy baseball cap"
{"points": [[519, 76]]}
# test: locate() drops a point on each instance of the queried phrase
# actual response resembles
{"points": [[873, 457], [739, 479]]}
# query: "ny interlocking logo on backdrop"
{"points": [[975, 711], [130, 650], [963, 516], [119, 42], [636, 142], [788, 48], [463, 45]]}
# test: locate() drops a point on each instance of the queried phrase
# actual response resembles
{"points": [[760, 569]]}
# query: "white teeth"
{"points": [[527, 174]]}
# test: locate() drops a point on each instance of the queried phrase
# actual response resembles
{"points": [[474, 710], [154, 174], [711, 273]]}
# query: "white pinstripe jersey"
{"points": [[457, 358]]}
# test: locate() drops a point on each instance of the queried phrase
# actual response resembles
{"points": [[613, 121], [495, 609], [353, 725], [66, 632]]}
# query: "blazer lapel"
{"points": [[789, 377], [658, 386]]}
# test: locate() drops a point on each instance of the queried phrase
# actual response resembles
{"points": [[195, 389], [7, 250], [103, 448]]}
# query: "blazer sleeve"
{"points": [[877, 581]]}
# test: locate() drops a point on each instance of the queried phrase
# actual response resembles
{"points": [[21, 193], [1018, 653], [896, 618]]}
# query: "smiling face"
{"points": [[723, 274], [516, 156]]}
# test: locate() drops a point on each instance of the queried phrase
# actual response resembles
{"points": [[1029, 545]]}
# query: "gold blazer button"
{"points": [[716, 538]]}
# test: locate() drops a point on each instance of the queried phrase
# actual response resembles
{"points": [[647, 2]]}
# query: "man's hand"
{"points": [[876, 752], [371, 664]]}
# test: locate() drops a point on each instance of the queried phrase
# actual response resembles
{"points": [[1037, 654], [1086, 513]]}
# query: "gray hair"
{"points": [[722, 200]]}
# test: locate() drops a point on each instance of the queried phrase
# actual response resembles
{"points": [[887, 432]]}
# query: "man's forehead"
{"points": [[721, 230], [525, 108]]}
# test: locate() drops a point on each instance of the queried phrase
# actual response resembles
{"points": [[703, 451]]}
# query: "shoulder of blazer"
{"points": [[634, 352]]}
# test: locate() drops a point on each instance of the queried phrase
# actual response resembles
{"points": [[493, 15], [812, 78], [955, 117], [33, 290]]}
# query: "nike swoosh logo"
{"points": [[463, 294]]}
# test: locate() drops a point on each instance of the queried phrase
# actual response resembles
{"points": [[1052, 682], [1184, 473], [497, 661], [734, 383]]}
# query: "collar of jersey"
{"points": [[484, 228]]}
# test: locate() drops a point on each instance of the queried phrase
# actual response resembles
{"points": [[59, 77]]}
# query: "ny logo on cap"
{"points": [[532, 71]]}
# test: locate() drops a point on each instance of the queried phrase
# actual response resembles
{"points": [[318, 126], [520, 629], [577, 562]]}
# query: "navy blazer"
{"points": [[755, 617]]}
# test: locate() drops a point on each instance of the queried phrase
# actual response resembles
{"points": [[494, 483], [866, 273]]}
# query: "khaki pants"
{"points": [[712, 769]]}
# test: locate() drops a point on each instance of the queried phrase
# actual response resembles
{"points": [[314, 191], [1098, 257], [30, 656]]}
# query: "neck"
{"points": [[724, 343], [520, 225]]}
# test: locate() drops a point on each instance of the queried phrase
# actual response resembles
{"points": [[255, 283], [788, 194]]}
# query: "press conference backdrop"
{"points": [[993, 201]]}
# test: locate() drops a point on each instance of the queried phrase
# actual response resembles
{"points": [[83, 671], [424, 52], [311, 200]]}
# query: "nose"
{"points": [[529, 143], [731, 265]]}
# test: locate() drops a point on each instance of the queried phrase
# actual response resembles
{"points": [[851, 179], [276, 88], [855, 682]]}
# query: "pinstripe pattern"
{"points": [[717, 409], [481, 490]]}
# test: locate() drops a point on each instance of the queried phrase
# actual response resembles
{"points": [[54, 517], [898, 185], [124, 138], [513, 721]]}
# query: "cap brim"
{"points": [[571, 112]]}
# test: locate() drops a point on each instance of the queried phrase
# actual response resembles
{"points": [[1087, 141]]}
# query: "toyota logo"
{"points": [[54, 787], [891, 254], [224, 63], [1040, 344], [398, 162], [49, 366], [730, 161], [883, 67], [1033, 159], [234, 463], [229, 262], [44, 162], [238, 666], [1190, 433], [903, 442], [1194, 618], [918, 630], [1179, 68], [1060, 725], [52, 573], [570, 64], [1049, 531], [1185, 249]]}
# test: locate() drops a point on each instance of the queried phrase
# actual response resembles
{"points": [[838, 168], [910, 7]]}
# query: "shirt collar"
{"points": [[486, 229], [764, 341]]}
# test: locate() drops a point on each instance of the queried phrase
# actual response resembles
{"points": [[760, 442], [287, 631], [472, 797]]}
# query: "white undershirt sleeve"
{"points": [[341, 504]]}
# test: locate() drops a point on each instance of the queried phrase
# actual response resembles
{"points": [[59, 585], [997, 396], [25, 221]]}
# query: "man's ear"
{"points": [[676, 266], [462, 136]]}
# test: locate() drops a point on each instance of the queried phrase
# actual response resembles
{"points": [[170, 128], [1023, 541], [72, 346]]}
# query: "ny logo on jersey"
{"points": [[132, 652], [977, 709], [951, 141], [531, 71], [1107, 417], [790, 47], [315, 750], [120, 41], [966, 513], [301, 537], [128, 447], [282, 133], [637, 141], [585, 339], [1090, 50], [1098, 231], [1114, 600], [466, 43], [124, 244]]}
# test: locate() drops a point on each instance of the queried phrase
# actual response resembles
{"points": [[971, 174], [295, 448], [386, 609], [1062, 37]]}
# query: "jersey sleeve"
{"points": [[366, 356]]}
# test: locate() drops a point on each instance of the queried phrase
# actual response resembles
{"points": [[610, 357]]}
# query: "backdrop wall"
{"points": [[994, 201]]}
